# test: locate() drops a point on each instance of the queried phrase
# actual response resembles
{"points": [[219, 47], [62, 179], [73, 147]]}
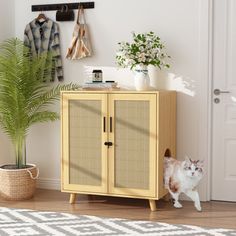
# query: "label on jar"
{"points": [[97, 76]]}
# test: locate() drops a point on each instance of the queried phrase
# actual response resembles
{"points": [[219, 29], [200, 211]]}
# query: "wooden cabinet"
{"points": [[113, 143]]}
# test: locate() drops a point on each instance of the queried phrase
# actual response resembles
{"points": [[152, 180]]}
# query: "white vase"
{"points": [[141, 78], [158, 78]]}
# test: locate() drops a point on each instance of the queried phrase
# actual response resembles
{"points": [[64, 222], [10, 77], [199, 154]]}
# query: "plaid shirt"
{"points": [[44, 37]]}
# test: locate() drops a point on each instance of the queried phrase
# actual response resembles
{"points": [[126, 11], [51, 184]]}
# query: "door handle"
{"points": [[104, 124], [218, 91], [110, 124]]}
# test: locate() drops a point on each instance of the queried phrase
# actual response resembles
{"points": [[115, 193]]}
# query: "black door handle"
{"points": [[110, 124], [104, 124], [108, 144]]}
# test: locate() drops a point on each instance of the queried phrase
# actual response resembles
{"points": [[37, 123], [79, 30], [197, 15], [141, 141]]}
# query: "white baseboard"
{"points": [[53, 184]]}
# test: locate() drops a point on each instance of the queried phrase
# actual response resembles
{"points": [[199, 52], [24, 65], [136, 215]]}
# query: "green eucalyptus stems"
{"points": [[146, 49]]}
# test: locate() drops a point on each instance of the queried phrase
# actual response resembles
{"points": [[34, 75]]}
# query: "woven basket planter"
{"points": [[18, 184]]}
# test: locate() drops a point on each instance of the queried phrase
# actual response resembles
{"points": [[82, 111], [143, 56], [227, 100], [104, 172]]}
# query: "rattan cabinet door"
{"points": [[132, 157], [84, 164]]}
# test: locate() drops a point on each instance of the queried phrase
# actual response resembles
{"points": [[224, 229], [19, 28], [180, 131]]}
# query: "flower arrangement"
{"points": [[146, 49]]}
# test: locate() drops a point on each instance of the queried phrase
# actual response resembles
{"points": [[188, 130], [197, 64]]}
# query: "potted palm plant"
{"points": [[24, 99]]}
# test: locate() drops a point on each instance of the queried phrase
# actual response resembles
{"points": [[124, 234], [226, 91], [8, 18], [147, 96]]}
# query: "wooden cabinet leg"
{"points": [[152, 204], [72, 198]]}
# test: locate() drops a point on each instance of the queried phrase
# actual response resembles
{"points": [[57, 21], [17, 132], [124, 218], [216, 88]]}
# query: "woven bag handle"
{"points": [[80, 15], [31, 175]]}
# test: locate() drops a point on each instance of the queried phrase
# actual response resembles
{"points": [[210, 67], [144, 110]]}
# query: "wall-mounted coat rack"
{"points": [[55, 7]]}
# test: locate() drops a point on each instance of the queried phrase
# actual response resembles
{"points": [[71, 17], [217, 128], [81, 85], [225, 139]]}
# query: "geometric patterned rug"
{"points": [[16, 222]]}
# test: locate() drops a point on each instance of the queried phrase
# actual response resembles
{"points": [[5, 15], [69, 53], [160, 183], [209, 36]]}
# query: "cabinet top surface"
{"points": [[119, 91]]}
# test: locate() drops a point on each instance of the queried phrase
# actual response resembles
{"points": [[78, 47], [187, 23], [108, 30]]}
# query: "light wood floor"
{"points": [[214, 214]]}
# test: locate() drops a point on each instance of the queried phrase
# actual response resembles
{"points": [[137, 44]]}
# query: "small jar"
{"points": [[97, 76]]}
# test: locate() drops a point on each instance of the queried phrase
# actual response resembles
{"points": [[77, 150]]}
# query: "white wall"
{"points": [[7, 22], [7, 19], [181, 24]]}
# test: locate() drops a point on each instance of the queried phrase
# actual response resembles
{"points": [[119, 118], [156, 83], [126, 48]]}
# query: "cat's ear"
{"points": [[187, 159]]}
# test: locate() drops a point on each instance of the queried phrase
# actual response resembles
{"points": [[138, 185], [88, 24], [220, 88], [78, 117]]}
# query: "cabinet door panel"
{"points": [[84, 132], [133, 154]]}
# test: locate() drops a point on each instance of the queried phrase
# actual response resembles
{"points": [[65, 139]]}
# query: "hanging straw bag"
{"points": [[80, 45]]}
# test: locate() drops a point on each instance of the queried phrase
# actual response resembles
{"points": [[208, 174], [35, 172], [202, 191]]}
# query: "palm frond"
{"points": [[40, 100], [24, 96], [44, 116]]}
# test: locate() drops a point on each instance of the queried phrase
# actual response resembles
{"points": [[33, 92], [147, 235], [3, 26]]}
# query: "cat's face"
{"points": [[193, 169]]}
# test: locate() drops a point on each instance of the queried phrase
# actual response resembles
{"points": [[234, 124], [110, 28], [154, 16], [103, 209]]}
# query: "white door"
{"points": [[224, 101]]}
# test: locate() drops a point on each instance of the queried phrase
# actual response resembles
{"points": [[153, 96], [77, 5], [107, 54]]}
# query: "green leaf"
{"points": [[24, 97]]}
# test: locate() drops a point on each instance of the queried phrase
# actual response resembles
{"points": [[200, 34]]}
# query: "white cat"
{"points": [[183, 177]]}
